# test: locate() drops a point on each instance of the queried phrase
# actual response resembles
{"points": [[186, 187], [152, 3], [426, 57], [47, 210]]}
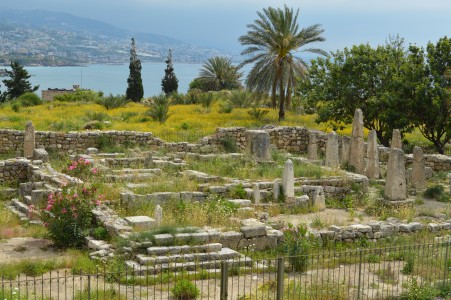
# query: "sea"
{"points": [[110, 78]]}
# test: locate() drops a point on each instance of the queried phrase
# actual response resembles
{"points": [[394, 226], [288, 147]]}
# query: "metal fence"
{"points": [[419, 271]]}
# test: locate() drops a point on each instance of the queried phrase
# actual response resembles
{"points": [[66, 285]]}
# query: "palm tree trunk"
{"points": [[273, 94], [288, 98], [282, 100]]}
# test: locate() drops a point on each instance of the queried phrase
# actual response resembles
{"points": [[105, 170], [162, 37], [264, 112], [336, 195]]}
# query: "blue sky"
{"points": [[219, 23]]}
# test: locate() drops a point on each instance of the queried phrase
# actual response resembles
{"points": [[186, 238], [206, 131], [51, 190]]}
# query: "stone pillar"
{"points": [[256, 194], [312, 149], [319, 199], [372, 156], [344, 150], [257, 144], [396, 141], [148, 161], [158, 214], [357, 150], [276, 190], [29, 140], [418, 175], [288, 181], [332, 150], [395, 183]]}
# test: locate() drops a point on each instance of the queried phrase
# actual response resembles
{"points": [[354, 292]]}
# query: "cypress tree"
{"points": [[135, 90], [169, 83], [18, 83]]}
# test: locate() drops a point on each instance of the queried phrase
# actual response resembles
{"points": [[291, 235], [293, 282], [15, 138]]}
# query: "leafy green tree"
{"points": [[169, 83], [361, 77], [18, 83], [135, 90], [271, 43], [428, 87], [218, 74]]}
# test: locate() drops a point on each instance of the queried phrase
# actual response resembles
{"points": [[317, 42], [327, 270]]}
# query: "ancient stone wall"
{"points": [[14, 170]]}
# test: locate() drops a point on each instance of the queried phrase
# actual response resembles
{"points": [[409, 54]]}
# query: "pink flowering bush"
{"points": [[68, 213]]}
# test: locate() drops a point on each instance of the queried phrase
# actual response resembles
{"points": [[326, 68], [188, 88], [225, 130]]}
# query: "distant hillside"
{"points": [[39, 37]]}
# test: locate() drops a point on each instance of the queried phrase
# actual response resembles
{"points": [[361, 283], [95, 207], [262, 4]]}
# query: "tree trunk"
{"points": [[273, 94], [288, 98], [439, 146], [382, 139], [281, 101]]}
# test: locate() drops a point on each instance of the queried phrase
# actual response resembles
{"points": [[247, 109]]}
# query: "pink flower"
{"points": [[75, 195], [63, 211], [71, 167], [94, 170], [74, 215], [97, 202], [49, 207], [45, 224]]}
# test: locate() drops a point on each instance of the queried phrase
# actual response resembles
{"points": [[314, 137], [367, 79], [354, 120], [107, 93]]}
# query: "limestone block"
{"points": [[141, 222], [251, 231]]}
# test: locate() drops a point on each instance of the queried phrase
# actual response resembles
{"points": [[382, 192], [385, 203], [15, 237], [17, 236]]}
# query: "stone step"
{"points": [[196, 238], [138, 269], [14, 210], [241, 202], [161, 251], [27, 200], [223, 254], [138, 171], [128, 177], [20, 206]]}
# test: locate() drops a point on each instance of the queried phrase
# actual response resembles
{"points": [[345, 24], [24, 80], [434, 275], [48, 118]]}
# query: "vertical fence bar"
{"points": [[89, 286], [445, 271], [360, 274], [280, 269], [224, 280]]}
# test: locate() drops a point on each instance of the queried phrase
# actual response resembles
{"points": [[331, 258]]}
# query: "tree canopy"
{"points": [[272, 41], [169, 83], [135, 90], [18, 83], [218, 73], [395, 88]]}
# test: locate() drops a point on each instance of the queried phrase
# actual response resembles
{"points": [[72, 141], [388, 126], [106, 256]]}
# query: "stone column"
{"points": [[395, 183], [29, 140], [312, 149], [372, 156], [332, 150], [344, 150], [418, 175], [276, 190], [288, 181], [319, 199], [357, 150], [256, 194], [257, 144], [158, 214], [396, 141]]}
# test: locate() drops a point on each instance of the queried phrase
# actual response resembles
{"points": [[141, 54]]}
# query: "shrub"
{"points": [[96, 116], [297, 247], [206, 99], [238, 192], [241, 98], [112, 102], [178, 98], [225, 107], [68, 213], [257, 113], [159, 108], [436, 192], [192, 97], [79, 96], [91, 125], [185, 290], [29, 99], [229, 144]]}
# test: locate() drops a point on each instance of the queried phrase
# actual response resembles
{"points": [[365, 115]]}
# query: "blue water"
{"points": [[110, 78]]}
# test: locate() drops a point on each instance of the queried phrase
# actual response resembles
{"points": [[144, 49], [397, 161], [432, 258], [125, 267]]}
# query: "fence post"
{"points": [[224, 280], [445, 271], [280, 271], [360, 274], [89, 286]]}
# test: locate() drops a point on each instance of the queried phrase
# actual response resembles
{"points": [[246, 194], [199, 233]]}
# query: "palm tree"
{"points": [[218, 73], [272, 41]]}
